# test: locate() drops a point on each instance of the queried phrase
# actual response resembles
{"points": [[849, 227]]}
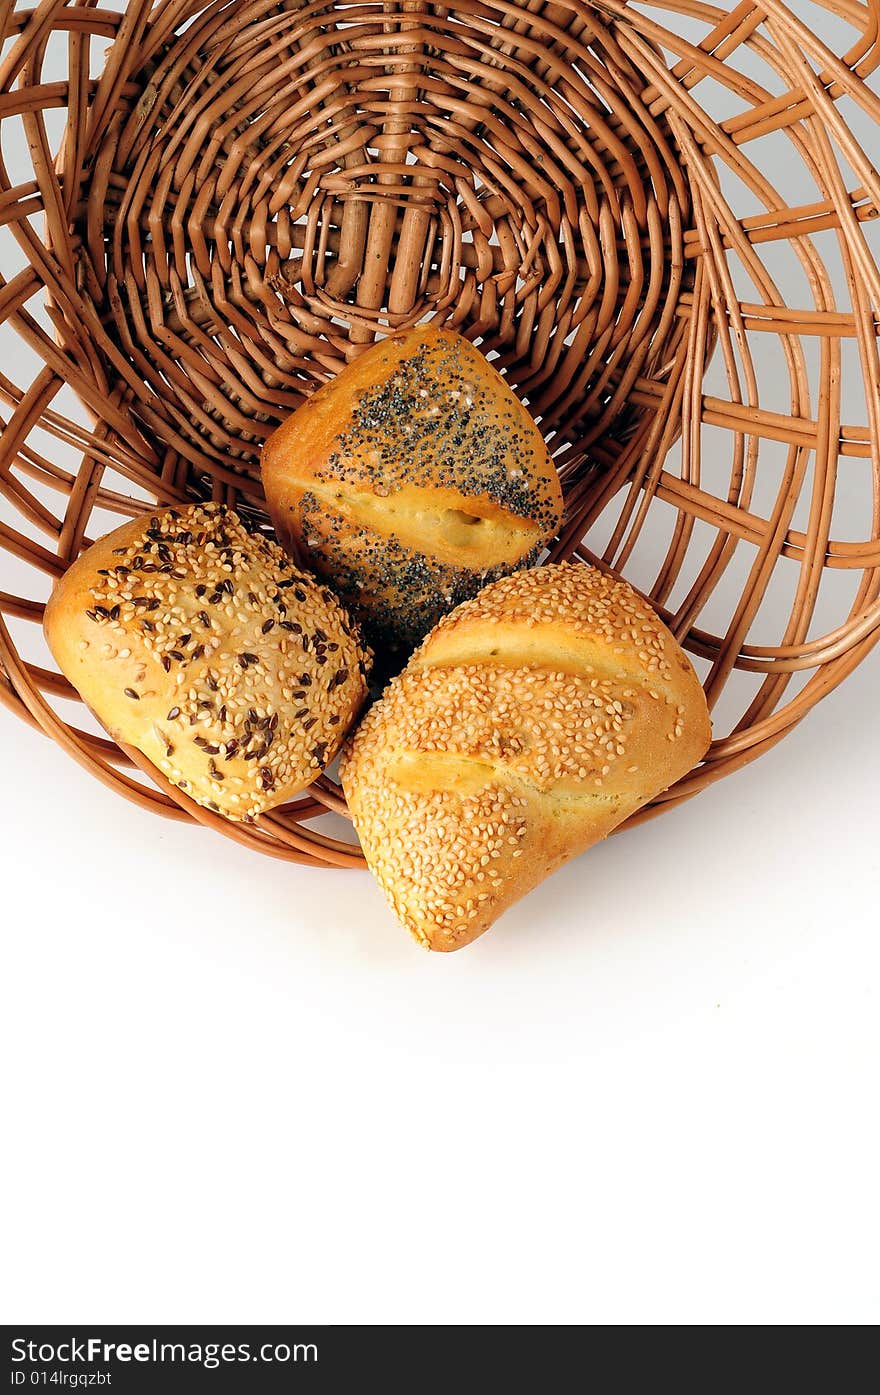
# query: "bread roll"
{"points": [[409, 481], [202, 645], [532, 721]]}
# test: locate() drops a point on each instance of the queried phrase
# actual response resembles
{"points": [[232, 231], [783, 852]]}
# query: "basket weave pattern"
{"points": [[216, 205]]}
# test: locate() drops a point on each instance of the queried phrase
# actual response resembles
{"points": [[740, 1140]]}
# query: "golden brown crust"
{"points": [[530, 723], [203, 646], [411, 479]]}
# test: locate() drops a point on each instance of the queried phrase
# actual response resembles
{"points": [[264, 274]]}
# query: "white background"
{"points": [[235, 1091]]}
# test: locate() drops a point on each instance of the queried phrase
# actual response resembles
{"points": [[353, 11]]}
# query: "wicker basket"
{"points": [[639, 211]]}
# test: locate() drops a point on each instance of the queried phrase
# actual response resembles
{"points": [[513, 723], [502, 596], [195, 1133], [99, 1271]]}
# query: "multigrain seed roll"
{"points": [[532, 721], [201, 645], [410, 480]]}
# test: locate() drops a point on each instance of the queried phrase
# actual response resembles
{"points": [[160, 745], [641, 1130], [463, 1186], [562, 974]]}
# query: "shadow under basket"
{"points": [[645, 215]]}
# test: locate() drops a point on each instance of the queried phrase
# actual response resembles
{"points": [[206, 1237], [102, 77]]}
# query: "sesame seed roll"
{"points": [[532, 721], [409, 481], [204, 647]]}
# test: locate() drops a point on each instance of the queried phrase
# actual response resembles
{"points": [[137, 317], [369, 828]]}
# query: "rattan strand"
{"points": [[245, 194]]}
